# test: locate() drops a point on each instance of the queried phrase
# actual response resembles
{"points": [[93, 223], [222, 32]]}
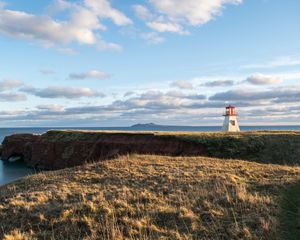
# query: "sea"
{"points": [[10, 172]]}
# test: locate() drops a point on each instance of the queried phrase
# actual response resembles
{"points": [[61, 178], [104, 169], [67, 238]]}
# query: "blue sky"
{"points": [[117, 63]]}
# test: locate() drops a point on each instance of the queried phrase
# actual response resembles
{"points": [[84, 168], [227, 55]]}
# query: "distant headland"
{"points": [[146, 125]]}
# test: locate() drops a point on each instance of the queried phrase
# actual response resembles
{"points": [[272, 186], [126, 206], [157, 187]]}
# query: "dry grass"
{"points": [[148, 197]]}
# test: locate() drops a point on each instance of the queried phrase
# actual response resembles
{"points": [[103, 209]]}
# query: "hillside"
{"points": [[280, 147], [151, 197]]}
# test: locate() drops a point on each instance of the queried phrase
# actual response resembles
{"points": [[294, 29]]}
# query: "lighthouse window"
{"points": [[232, 122]]}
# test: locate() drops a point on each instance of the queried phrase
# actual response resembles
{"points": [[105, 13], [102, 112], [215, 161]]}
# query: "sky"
{"points": [[102, 63]]}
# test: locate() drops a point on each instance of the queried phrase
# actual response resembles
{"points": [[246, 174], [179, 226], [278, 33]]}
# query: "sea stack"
{"points": [[230, 121]]}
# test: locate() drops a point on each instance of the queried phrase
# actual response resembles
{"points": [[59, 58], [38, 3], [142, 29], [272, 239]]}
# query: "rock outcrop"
{"points": [[18, 145], [61, 149]]}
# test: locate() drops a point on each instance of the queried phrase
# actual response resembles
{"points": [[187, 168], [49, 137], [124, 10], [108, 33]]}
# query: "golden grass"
{"points": [[148, 197]]}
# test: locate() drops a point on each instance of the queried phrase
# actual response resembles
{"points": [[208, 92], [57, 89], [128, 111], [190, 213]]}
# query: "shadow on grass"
{"points": [[290, 213]]}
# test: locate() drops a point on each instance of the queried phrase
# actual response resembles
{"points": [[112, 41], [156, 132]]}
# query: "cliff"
{"points": [[61, 149]]}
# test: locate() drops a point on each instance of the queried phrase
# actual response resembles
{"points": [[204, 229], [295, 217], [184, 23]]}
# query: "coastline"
{"points": [[211, 178], [58, 149]]}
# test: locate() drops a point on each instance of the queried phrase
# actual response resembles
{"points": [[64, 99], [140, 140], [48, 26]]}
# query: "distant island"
{"points": [[145, 125]]}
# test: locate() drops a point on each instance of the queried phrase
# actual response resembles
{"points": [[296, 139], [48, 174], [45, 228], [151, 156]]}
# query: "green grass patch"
{"points": [[290, 213]]}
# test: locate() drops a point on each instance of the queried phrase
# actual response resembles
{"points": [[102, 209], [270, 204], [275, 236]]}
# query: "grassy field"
{"points": [[277, 147], [155, 197]]}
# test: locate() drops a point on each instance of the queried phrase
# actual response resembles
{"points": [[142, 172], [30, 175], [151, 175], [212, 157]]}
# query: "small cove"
{"points": [[10, 172]]}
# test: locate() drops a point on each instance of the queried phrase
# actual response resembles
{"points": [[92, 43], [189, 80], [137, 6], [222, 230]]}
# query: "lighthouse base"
{"points": [[231, 124]]}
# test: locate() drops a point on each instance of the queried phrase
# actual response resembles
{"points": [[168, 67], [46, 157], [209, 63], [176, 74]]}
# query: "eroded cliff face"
{"points": [[61, 149], [18, 145]]}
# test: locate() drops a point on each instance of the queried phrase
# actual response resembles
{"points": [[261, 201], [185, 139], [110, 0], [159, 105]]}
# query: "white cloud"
{"points": [[62, 92], [94, 74], [142, 12], [163, 26], [260, 79], [157, 23], [269, 97], [173, 15], [10, 84], [128, 94], [219, 83], [255, 79], [59, 6], [278, 62], [12, 97], [103, 45], [153, 38], [182, 85], [103, 9], [51, 107], [24, 25], [83, 25]]}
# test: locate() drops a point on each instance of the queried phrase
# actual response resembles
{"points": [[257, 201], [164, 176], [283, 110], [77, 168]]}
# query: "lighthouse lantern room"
{"points": [[230, 121]]}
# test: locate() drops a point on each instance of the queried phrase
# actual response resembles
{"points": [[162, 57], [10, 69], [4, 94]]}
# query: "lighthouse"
{"points": [[230, 121]]}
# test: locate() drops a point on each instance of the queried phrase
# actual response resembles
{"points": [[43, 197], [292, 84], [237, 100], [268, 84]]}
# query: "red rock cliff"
{"points": [[61, 149]]}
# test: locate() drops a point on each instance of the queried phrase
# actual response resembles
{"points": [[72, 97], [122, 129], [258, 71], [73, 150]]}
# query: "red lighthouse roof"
{"points": [[230, 111]]}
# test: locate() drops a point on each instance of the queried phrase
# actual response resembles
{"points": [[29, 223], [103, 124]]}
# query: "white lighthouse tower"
{"points": [[230, 122]]}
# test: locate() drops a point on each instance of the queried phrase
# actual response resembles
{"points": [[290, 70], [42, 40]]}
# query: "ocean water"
{"points": [[11, 171]]}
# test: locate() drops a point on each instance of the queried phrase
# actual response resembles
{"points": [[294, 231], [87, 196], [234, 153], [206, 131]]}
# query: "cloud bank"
{"points": [[83, 25], [260, 79], [10, 84], [62, 92], [86, 20]]}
